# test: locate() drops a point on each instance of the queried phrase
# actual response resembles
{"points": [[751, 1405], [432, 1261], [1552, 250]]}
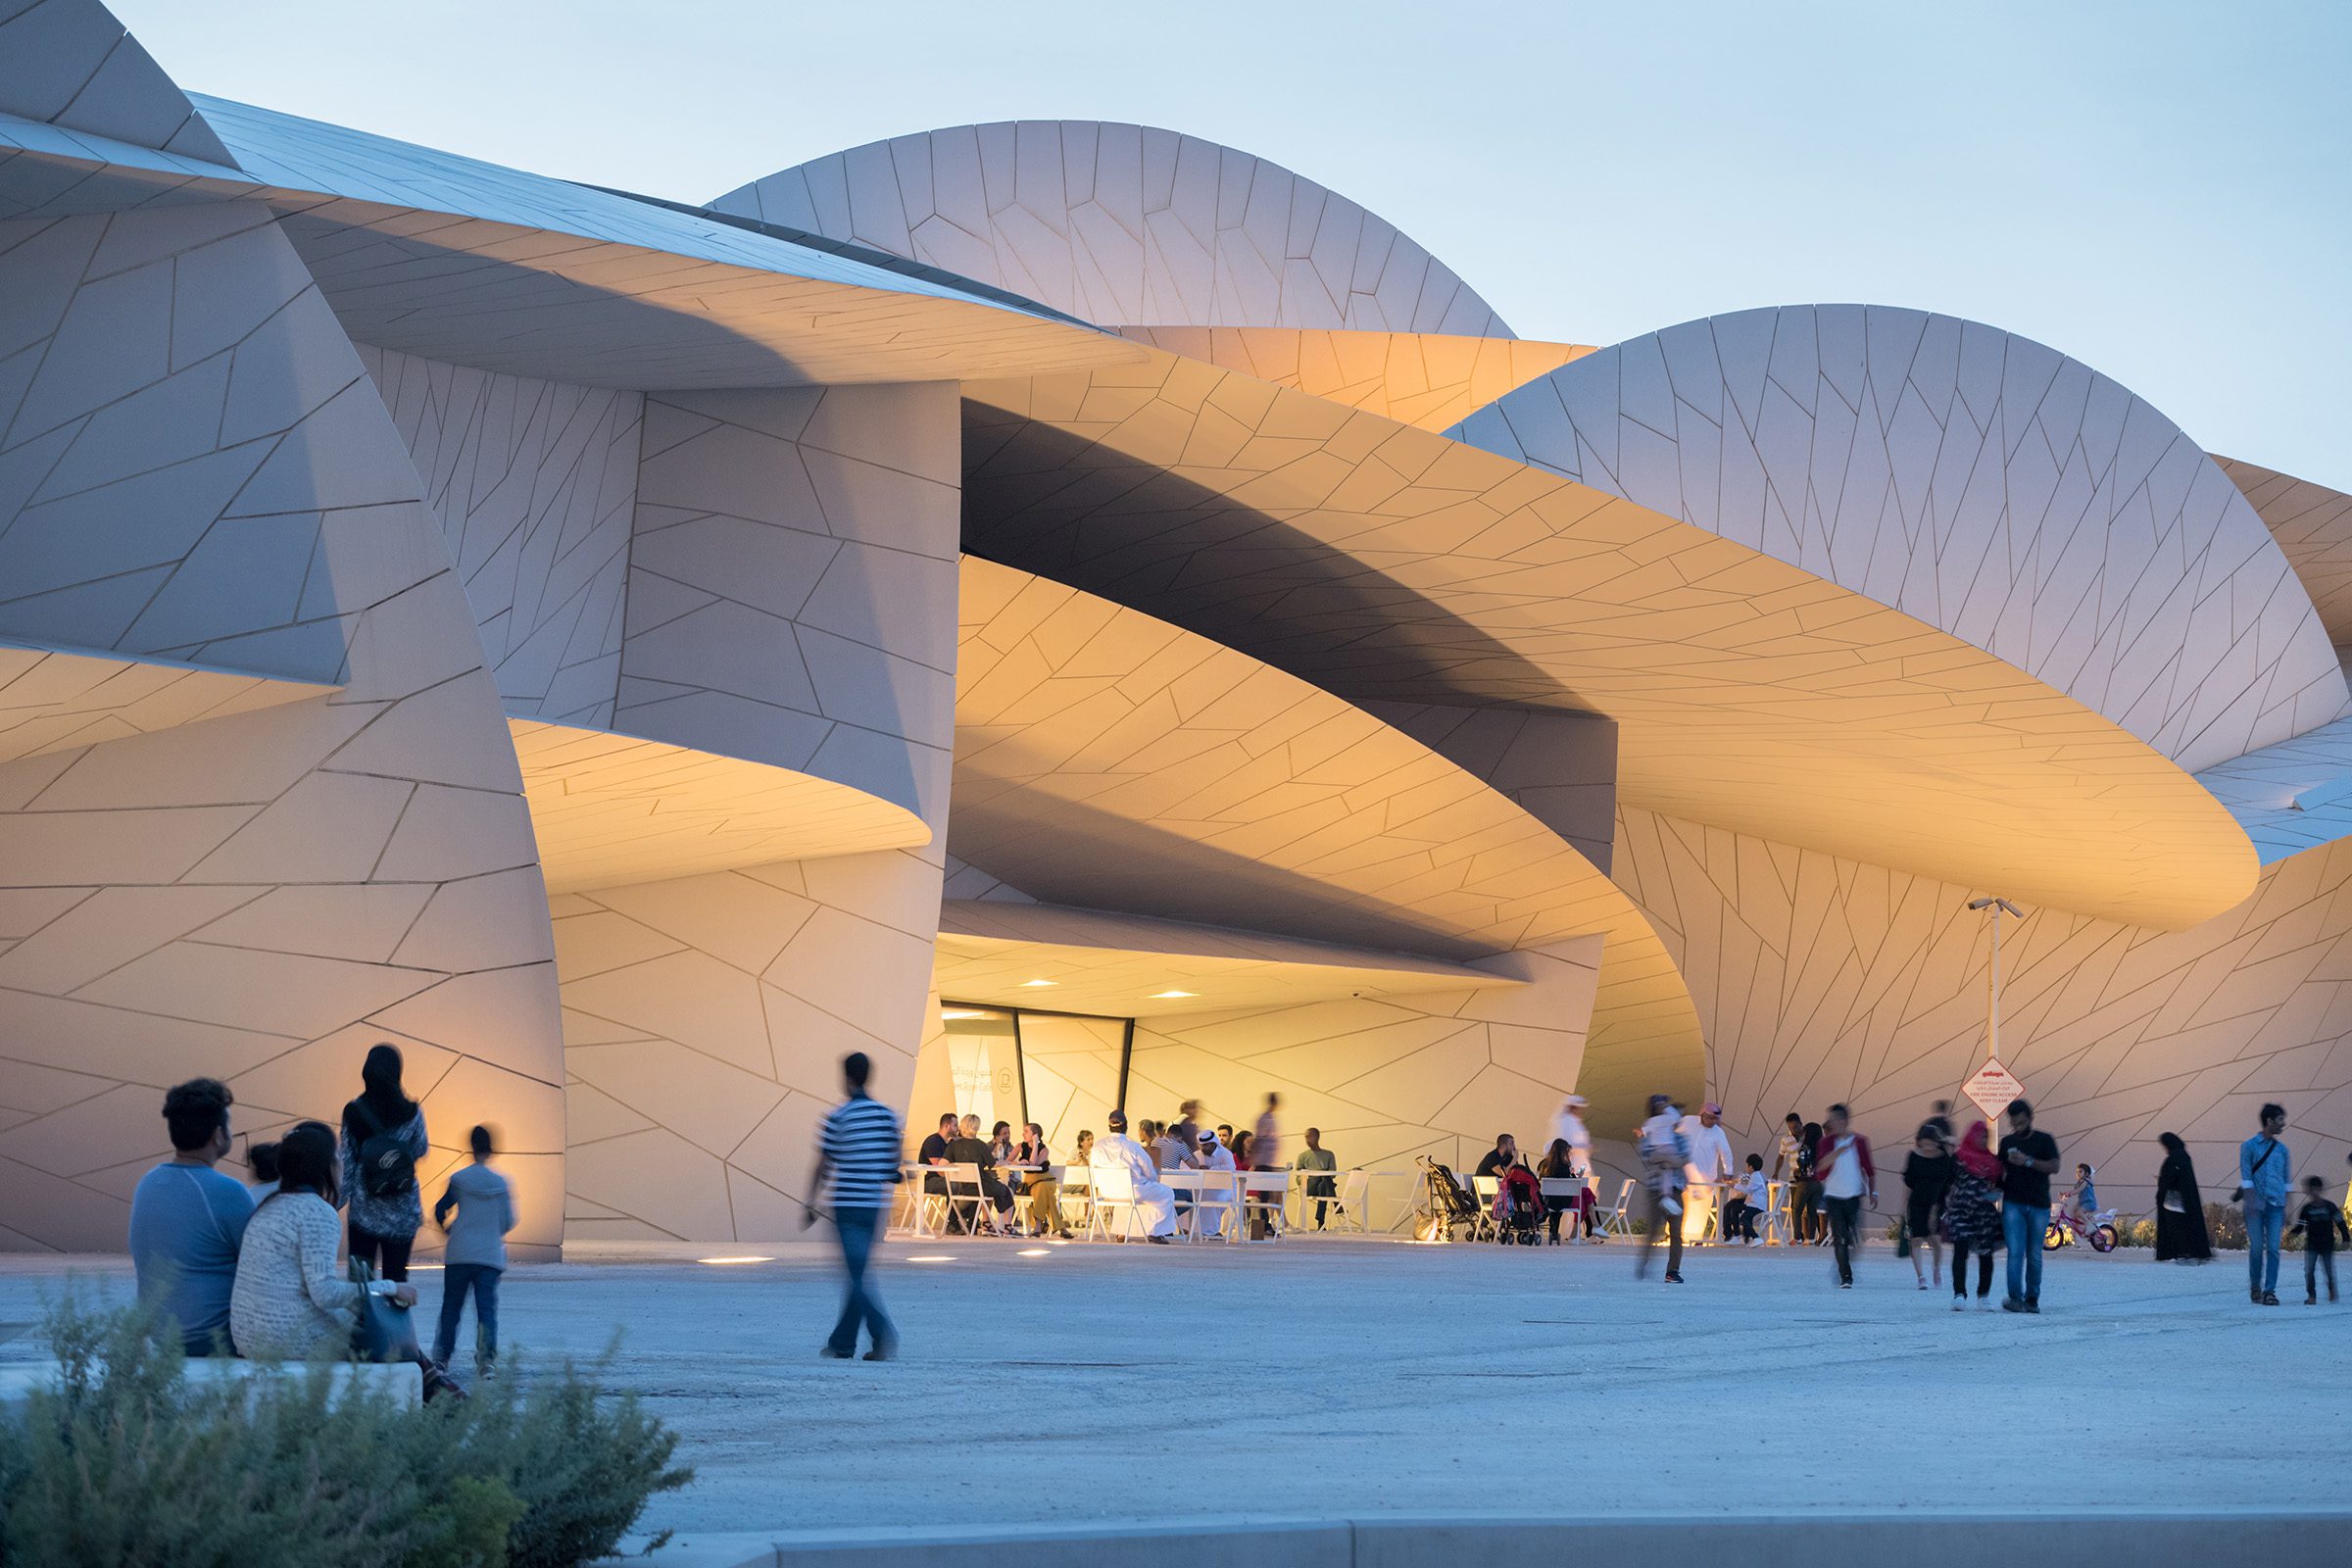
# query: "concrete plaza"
{"points": [[1313, 1378]]}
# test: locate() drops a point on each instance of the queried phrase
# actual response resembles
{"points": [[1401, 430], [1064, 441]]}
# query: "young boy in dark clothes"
{"points": [[2322, 1223]]}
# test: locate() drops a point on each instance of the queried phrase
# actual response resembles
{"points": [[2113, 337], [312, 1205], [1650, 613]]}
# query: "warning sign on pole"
{"points": [[1992, 1087]]}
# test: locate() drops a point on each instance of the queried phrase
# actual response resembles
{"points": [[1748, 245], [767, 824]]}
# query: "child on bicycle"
{"points": [[2083, 1203]]}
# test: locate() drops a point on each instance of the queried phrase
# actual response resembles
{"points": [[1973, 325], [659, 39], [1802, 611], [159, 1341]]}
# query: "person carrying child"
{"points": [[476, 1255], [2322, 1224]]}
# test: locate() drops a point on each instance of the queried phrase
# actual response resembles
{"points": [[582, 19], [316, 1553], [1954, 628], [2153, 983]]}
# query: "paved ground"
{"points": [[1318, 1378]]}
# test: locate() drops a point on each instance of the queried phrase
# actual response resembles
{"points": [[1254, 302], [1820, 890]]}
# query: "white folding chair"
{"points": [[968, 1193], [1185, 1184], [1772, 1227], [1569, 1188], [1114, 1193], [1074, 1196], [1483, 1191], [1343, 1209], [1262, 1193], [1217, 1202], [1613, 1221]]}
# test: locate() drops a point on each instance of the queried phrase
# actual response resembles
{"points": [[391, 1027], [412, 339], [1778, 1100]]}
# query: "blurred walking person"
{"points": [[1848, 1178], [857, 1162], [1663, 1153], [1926, 1179], [2181, 1235], [475, 1259]]}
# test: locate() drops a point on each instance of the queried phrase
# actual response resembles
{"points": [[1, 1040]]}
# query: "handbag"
{"points": [[1902, 1239], [387, 1330]]}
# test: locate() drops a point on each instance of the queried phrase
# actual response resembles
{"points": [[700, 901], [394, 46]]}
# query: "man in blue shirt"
{"points": [[187, 1220], [856, 1165], [2262, 1172]]}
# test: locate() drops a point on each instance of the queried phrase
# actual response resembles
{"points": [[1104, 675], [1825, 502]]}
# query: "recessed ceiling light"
{"points": [[1165, 996], [961, 1012], [1027, 983], [746, 1259]]}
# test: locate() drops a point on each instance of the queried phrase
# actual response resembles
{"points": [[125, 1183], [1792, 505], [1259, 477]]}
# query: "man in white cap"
{"points": [[1708, 1168], [1154, 1200]]}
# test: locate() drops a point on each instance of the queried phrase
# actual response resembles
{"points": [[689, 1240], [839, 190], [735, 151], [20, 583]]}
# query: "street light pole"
{"points": [[1992, 985]]}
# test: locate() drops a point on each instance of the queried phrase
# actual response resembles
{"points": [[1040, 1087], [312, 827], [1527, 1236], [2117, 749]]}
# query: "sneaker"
{"points": [[1674, 1278], [485, 1371], [2311, 1301], [2032, 1305], [2254, 1295], [2270, 1298], [1959, 1303], [884, 1353], [1923, 1284], [2010, 1304], [832, 1354], [1846, 1285]]}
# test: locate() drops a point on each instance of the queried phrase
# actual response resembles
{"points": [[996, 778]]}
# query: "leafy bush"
{"points": [[129, 1462], [2226, 1223]]}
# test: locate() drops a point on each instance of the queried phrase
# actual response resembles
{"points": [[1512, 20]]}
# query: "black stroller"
{"points": [[1452, 1208]]}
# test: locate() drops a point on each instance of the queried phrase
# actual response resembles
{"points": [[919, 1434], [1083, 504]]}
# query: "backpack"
{"points": [[386, 1167]]}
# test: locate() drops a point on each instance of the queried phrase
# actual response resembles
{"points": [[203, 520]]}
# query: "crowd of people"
{"points": [[1020, 1196], [268, 1270]]}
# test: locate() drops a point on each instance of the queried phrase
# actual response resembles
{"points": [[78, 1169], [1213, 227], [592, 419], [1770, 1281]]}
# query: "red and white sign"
{"points": [[1992, 1088]]}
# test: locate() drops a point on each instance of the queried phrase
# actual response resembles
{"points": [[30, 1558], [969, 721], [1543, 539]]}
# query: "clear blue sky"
{"points": [[2161, 189]]}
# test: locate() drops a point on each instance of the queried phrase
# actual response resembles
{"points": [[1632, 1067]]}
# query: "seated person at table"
{"points": [[1559, 1163], [1153, 1203], [1316, 1158], [1168, 1152], [1211, 1155], [1747, 1200], [935, 1152], [1033, 1162], [187, 1220], [1501, 1157], [966, 1149], [1000, 1143]]}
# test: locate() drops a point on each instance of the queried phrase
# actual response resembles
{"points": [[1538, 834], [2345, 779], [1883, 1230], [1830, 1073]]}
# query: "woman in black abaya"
{"points": [[2179, 1209]]}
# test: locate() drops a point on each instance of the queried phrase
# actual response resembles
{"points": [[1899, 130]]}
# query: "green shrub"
{"points": [[130, 1463]]}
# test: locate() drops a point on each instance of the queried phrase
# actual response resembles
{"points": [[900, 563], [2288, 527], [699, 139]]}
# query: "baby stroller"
{"points": [[1451, 1208], [1518, 1207]]}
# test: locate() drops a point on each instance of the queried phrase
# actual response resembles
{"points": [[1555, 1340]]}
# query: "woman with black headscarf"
{"points": [[2179, 1209], [383, 1139]]}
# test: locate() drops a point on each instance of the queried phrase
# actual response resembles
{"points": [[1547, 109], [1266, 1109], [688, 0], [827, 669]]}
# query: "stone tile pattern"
{"points": [[70, 63], [1429, 381], [705, 1020], [1559, 766], [535, 484], [610, 810], [1106, 759], [1974, 479], [1823, 980], [1125, 225], [2291, 796], [792, 583], [1386, 564], [56, 702], [446, 256], [196, 466], [2313, 525]]}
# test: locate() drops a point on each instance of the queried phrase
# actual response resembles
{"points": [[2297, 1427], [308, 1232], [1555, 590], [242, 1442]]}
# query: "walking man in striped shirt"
{"points": [[858, 1148]]}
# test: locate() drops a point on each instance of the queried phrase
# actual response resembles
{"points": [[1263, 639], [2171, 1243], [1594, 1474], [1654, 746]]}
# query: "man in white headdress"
{"points": [[1155, 1199]]}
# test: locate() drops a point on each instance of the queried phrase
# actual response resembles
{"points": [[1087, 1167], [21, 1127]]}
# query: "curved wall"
{"points": [[1974, 479], [1124, 225]]}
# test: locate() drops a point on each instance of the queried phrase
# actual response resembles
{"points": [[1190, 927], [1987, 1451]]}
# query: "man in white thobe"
{"points": [[1708, 1169], [1154, 1202], [1211, 1155]]}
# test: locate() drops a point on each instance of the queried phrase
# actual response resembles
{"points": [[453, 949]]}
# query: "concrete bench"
{"points": [[399, 1380]]}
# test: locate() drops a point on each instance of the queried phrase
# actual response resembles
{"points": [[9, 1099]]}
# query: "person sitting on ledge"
{"points": [[292, 1299], [187, 1220]]}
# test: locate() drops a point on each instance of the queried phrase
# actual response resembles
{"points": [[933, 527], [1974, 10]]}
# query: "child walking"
{"points": [[2322, 1223], [477, 1254]]}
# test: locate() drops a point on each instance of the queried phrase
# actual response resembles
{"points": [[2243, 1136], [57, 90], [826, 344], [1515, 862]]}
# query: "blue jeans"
{"points": [[857, 1227], [2263, 1228], [456, 1280], [2021, 1230]]}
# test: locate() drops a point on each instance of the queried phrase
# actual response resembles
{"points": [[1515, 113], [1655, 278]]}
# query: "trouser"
{"points": [[2263, 1228], [1846, 1220], [1960, 1270], [1804, 1210], [857, 1227], [388, 1254], [2316, 1263], [1739, 1218], [2022, 1229], [1553, 1208], [1659, 1221], [1324, 1188], [456, 1280]]}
